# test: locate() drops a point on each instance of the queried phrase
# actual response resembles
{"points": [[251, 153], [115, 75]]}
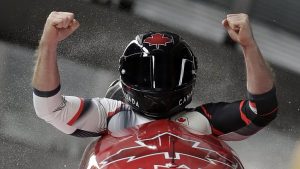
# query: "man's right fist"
{"points": [[59, 25], [239, 29]]}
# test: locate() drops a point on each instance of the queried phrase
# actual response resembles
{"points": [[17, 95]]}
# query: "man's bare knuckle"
{"points": [[69, 17], [71, 14], [245, 16], [51, 19], [64, 19], [245, 20]]}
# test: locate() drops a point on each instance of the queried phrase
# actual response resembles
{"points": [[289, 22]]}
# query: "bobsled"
{"points": [[159, 144]]}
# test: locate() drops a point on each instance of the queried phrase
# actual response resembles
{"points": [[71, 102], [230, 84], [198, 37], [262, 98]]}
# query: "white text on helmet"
{"points": [[131, 100], [185, 98]]}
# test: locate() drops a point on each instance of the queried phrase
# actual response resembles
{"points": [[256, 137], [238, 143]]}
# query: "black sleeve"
{"points": [[46, 93], [244, 117]]}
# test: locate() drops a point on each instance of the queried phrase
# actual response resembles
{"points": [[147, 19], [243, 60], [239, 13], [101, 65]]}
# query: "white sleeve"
{"points": [[70, 114]]}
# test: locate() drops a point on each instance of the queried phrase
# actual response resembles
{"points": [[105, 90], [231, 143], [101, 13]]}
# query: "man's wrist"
{"points": [[250, 49], [48, 45], [47, 42], [250, 46]]}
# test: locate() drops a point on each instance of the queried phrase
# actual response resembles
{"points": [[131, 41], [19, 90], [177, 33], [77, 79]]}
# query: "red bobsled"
{"points": [[158, 145]]}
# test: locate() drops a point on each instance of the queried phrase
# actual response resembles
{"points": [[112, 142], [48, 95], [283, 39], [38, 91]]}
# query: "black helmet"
{"points": [[158, 73]]}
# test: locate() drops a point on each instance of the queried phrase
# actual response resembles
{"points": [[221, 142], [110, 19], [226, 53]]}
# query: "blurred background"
{"points": [[88, 62]]}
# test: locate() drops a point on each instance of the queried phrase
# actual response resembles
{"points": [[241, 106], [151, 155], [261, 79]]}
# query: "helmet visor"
{"points": [[158, 70]]}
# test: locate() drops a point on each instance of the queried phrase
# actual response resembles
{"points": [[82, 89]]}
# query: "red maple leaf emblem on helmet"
{"points": [[158, 39]]}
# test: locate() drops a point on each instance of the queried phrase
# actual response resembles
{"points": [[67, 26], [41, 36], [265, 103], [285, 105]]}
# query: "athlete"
{"points": [[157, 78]]}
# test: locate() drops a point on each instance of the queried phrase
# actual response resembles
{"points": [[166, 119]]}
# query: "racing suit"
{"points": [[93, 117]]}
